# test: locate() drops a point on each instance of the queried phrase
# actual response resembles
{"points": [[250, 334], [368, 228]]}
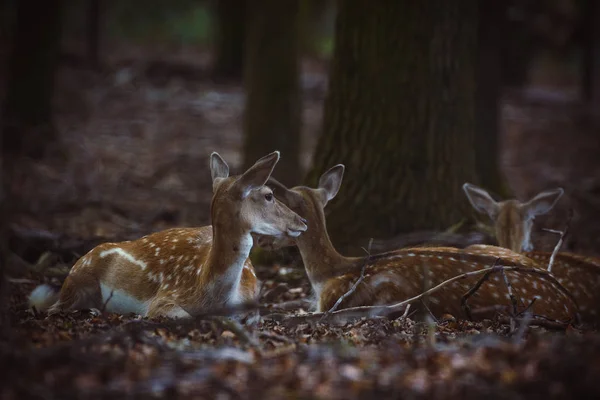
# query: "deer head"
{"points": [[248, 203], [512, 219]]}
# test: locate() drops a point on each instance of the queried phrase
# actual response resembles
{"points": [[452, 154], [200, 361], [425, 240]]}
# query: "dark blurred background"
{"points": [[110, 110]]}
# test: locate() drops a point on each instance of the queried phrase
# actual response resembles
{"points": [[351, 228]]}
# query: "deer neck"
{"points": [[220, 276], [321, 260]]}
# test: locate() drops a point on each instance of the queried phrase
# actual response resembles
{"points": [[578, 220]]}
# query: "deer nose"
{"points": [[304, 220]]}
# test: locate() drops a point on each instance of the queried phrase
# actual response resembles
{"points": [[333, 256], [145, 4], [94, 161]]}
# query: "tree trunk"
{"points": [[27, 126], [272, 116], [229, 39], [591, 54], [492, 22], [518, 45], [400, 116], [94, 33]]}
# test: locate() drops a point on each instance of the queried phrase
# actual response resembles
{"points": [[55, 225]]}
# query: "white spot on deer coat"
{"points": [[125, 255]]}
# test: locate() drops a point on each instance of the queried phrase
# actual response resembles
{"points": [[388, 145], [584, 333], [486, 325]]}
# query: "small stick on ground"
{"points": [[358, 281], [107, 300], [561, 238], [463, 301], [531, 303], [513, 301]]}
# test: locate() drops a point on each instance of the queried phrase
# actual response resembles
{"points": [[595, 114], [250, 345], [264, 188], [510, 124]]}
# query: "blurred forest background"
{"points": [[110, 110]]}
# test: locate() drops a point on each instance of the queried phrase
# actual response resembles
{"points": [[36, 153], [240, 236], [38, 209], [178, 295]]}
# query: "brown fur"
{"points": [[396, 276], [181, 271], [578, 274]]}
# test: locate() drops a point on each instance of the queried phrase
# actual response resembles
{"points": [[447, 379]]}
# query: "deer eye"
{"points": [[269, 196]]}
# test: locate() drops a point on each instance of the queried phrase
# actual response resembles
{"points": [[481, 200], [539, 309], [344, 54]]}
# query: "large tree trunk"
{"points": [[94, 32], [492, 21], [229, 39], [27, 126], [590, 36], [272, 116], [400, 116]]}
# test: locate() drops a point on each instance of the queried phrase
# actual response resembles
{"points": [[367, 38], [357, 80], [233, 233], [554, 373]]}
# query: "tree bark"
{"points": [[591, 53], [272, 116], [400, 115], [229, 39], [94, 34], [492, 23], [27, 120]]}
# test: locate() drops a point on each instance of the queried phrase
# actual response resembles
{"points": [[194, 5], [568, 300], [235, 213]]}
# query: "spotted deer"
{"points": [[513, 222], [398, 275], [181, 271]]}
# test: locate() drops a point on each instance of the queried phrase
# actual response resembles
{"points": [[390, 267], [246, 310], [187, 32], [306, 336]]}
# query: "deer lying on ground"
{"points": [[396, 276], [513, 222], [179, 272]]}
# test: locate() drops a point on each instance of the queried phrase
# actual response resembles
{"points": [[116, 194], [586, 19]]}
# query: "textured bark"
{"points": [[229, 40], [94, 33], [591, 53], [27, 121], [492, 24], [400, 116], [272, 116]]}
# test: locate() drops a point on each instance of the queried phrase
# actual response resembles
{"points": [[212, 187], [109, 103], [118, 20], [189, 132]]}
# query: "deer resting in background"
{"points": [[181, 271], [398, 275], [513, 222]]}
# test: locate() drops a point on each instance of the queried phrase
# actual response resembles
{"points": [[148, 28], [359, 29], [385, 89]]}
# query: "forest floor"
{"points": [[138, 137]]}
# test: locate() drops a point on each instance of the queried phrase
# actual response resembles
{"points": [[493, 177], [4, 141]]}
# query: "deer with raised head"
{"points": [[513, 223], [182, 271], [396, 276]]}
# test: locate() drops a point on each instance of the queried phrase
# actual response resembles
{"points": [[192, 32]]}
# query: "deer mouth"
{"points": [[294, 233]]}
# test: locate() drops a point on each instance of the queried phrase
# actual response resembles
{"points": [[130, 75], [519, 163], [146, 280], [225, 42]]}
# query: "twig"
{"points": [[372, 311], [531, 303], [562, 234], [237, 328], [513, 301], [406, 311], [275, 336], [463, 301], [358, 281], [427, 309], [287, 305], [518, 338], [107, 300]]}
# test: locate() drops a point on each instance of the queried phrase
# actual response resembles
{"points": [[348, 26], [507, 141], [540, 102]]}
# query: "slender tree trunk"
{"points": [[400, 116], [591, 54], [492, 23], [95, 17], [27, 126], [229, 39], [273, 116], [518, 46]]}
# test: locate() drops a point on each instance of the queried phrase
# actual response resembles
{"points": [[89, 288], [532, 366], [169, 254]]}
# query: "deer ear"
{"points": [[330, 182], [219, 169], [258, 174], [481, 200], [542, 202]]}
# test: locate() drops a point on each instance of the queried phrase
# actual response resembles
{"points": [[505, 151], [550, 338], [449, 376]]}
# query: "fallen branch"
{"points": [[373, 311], [342, 316], [561, 238], [287, 305], [463, 301], [358, 281]]}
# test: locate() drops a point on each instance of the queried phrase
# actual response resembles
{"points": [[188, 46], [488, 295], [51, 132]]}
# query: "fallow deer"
{"points": [[513, 223], [396, 276], [182, 271]]}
